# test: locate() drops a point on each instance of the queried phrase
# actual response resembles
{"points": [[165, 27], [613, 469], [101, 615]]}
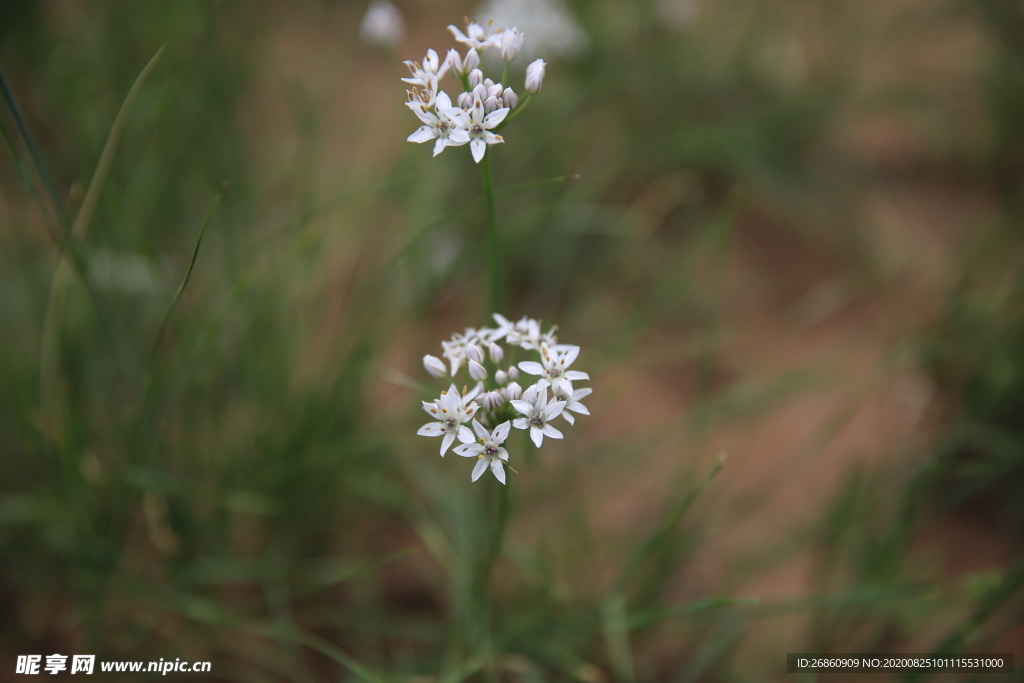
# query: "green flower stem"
{"points": [[514, 113], [504, 75], [493, 242]]}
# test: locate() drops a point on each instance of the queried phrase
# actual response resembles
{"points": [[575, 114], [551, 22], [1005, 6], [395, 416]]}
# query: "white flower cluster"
{"points": [[479, 112], [498, 403]]}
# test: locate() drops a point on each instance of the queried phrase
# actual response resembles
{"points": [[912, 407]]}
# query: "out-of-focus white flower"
{"points": [[382, 25], [495, 352], [434, 365], [535, 75], [538, 413], [439, 126], [551, 27], [488, 450], [555, 368], [512, 42], [452, 412], [476, 36], [677, 14], [479, 124]]}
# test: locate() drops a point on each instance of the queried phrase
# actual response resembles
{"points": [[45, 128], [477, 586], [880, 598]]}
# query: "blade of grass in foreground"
{"points": [[184, 283], [49, 356], [657, 540]]}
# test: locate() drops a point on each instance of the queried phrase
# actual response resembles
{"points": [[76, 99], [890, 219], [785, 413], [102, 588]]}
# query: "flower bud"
{"points": [[509, 98], [454, 60], [476, 371], [434, 366], [490, 105], [431, 62], [513, 392], [474, 352], [480, 92], [535, 75], [501, 377], [472, 60], [466, 100], [495, 352], [512, 44], [513, 373], [476, 77], [492, 400]]}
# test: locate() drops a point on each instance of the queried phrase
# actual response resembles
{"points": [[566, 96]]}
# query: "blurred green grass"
{"points": [[252, 492]]}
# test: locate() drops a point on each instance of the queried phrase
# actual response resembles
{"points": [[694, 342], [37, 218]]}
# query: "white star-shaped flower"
{"points": [[431, 65], [534, 405], [479, 124], [477, 37], [488, 450], [555, 367], [439, 125], [572, 402], [452, 411]]}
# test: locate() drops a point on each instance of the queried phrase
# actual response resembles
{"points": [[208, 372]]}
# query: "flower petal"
{"points": [[523, 407], [531, 367], [575, 374], [569, 356], [552, 432], [466, 436], [441, 143], [537, 436], [499, 471], [468, 450], [521, 423], [431, 429], [503, 454], [501, 432], [568, 417], [481, 467], [446, 442], [457, 137], [424, 134], [481, 431], [478, 147], [495, 117], [553, 410]]}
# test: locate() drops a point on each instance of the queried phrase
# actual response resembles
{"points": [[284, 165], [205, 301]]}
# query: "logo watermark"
{"points": [[86, 664]]}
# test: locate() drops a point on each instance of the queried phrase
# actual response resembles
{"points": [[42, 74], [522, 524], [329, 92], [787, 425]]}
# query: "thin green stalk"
{"points": [[493, 241], [514, 113]]}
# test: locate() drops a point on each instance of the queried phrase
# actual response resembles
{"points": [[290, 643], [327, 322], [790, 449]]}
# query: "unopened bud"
{"points": [[466, 100], [472, 60], [490, 105], [495, 352], [454, 60], [492, 400], [476, 371], [474, 352], [476, 77], [512, 44], [434, 366], [509, 98], [513, 373], [535, 75], [501, 377], [513, 391]]}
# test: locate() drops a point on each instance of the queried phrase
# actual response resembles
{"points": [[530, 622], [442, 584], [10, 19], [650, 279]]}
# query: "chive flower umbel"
{"points": [[483, 108], [496, 403]]}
